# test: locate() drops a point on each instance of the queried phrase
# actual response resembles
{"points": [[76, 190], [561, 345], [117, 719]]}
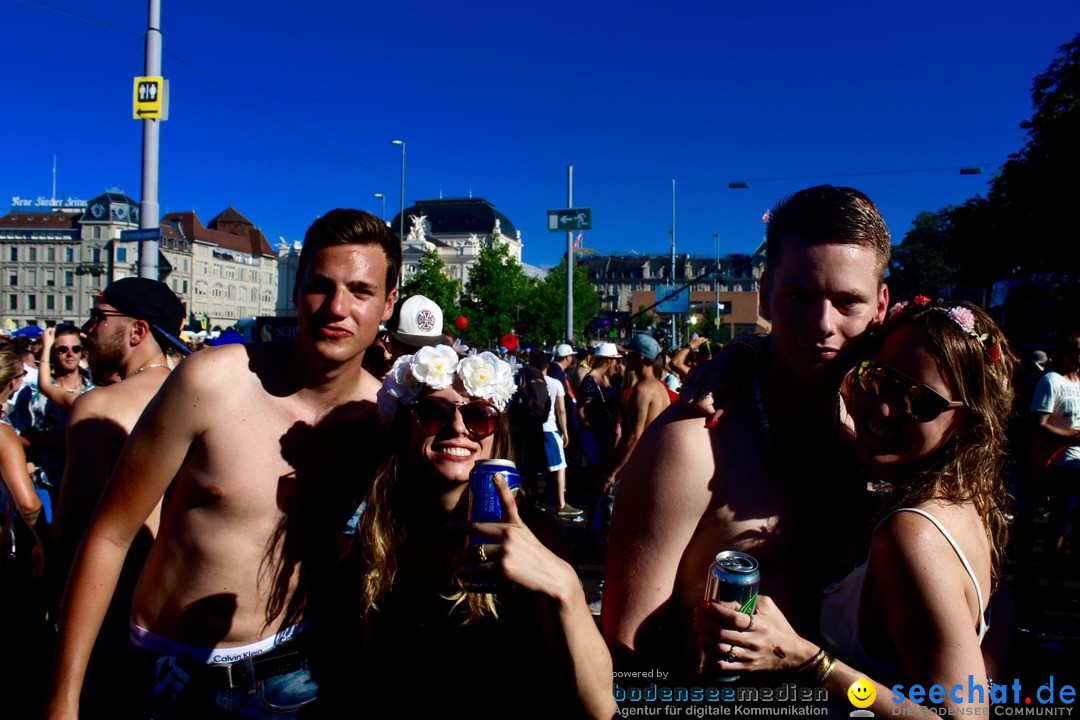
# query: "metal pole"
{"points": [[674, 336], [401, 214], [716, 282], [570, 259], [382, 197], [148, 205]]}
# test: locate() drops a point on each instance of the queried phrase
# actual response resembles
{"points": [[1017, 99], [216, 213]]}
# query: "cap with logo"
{"points": [[420, 322]]}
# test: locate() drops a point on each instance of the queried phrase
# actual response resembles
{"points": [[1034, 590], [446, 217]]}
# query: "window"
{"points": [[96, 233], [13, 278], [95, 255], [13, 302], [50, 278], [69, 254], [183, 286], [32, 254], [31, 277], [69, 278], [69, 303], [14, 255], [50, 302], [50, 254], [31, 302], [121, 255]]}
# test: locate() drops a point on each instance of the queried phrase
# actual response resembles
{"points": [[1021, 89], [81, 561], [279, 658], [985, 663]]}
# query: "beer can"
{"points": [[733, 577], [484, 506]]}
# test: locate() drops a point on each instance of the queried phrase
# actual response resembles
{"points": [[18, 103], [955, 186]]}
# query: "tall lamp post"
{"points": [[380, 196], [716, 283], [401, 213]]}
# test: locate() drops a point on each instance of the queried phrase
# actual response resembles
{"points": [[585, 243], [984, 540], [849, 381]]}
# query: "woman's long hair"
{"points": [[390, 514], [981, 366]]}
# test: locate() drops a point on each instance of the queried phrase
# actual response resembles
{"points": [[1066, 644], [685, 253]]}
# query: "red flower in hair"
{"points": [[995, 354], [920, 300]]}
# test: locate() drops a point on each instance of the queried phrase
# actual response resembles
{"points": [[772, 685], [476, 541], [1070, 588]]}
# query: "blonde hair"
{"points": [[390, 516], [10, 366], [981, 369]]}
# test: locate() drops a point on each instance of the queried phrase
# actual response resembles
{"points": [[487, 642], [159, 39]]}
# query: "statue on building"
{"points": [[416, 234]]}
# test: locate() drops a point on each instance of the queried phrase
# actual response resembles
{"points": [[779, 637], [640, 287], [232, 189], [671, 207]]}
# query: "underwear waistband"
{"points": [[145, 639]]}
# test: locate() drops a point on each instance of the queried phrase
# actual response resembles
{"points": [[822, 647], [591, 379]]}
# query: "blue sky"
{"points": [[286, 110]]}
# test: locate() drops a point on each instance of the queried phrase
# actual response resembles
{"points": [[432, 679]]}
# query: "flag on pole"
{"points": [[577, 243], [765, 217]]}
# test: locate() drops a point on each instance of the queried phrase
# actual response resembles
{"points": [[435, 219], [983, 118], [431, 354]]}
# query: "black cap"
{"points": [[153, 302]]}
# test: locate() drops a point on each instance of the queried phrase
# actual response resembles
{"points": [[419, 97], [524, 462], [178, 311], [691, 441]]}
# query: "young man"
{"points": [[765, 481], [648, 398], [257, 447]]}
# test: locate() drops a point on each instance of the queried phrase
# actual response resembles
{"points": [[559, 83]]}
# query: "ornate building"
{"points": [[456, 228], [54, 263]]}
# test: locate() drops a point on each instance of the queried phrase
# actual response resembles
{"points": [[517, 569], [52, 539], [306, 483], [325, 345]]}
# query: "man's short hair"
{"points": [[66, 329], [538, 359], [825, 214], [352, 227]]}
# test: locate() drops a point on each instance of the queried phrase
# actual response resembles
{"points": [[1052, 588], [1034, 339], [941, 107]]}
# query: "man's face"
{"points": [[820, 298], [65, 357], [107, 336], [341, 299]]}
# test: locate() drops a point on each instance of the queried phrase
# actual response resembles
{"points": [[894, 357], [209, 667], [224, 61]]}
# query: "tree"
{"points": [[547, 305], [495, 293], [918, 264], [432, 282]]}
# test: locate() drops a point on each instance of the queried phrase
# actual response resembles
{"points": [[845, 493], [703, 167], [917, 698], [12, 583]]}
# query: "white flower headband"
{"points": [[484, 376]]}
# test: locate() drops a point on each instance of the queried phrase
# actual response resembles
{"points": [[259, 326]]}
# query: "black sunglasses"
{"points": [[63, 349], [921, 403], [97, 315], [432, 414]]}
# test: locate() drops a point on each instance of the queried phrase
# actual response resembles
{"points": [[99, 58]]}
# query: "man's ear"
{"points": [[139, 332], [391, 298], [883, 304], [764, 286]]}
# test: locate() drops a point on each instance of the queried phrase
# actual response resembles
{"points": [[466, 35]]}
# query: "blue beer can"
{"points": [[484, 505]]}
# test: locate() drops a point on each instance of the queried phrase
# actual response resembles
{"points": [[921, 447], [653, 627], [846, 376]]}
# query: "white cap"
{"points": [[420, 322], [564, 350], [606, 350]]}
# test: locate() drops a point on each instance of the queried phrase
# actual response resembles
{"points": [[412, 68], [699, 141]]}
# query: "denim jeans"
{"points": [[183, 689]]}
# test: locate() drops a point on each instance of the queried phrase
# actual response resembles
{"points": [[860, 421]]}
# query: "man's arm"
{"points": [[635, 413], [560, 418], [151, 458], [662, 497], [1066, 436]]}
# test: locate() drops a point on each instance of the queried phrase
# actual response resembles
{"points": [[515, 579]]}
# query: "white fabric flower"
{"points": [[486, 376], [434, 366]]}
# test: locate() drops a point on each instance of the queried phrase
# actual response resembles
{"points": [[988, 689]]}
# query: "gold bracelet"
{"points": [[826, 669]]}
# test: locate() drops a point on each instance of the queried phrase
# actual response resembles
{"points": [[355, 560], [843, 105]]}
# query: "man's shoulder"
{"points": [[554, 386]]}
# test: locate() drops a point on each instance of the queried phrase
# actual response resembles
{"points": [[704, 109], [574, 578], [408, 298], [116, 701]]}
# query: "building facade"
{"points": [[456, 228], [53, 263]]}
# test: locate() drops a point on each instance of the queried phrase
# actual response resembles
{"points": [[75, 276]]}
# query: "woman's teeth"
{"points": [[455, 451]]}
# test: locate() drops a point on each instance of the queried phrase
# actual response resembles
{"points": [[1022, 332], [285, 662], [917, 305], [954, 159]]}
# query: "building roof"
{"points": [[40, 220], [457, 216], [229, 230]]}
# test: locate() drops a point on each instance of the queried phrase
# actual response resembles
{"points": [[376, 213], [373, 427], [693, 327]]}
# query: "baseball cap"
{"points": [[153, 302], [606, 350], [564, 350], [420, 322], [645, 346]]}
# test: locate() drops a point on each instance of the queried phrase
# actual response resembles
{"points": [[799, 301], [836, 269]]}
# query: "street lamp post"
{"points": [[380, 196], [716, 283], [401, 213]]}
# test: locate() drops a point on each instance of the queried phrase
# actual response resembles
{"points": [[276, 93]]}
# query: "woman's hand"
{"points": [[735, 641], [511, 551]]}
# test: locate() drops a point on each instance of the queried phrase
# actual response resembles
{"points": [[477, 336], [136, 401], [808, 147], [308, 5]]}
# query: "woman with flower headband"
{"points": [[421, 632], [928, 416]]}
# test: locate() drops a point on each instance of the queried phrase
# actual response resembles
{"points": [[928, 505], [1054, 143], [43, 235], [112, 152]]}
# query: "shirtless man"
{"points": [[648, 398], [767, 480], [132, 323], [235, 436]]}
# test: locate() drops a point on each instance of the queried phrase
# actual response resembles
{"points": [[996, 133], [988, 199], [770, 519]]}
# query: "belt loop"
{"points": [[249, 665], [228, 675]]}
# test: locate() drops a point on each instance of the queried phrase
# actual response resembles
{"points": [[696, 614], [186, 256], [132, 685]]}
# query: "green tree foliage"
{"points": [[1024, 225], [643, 320], [495, 295], [547, 305], [432, 282], [919, 264]]}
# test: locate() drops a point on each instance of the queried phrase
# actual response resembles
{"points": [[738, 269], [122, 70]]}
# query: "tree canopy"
{"points": [[547, 305], [495, 294], [432, 282]]}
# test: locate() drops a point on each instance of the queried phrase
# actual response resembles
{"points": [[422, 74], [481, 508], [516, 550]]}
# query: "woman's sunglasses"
{"points": [[921, 404], [432, 414]]}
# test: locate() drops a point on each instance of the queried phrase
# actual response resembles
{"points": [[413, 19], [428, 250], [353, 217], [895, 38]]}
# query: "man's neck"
{"points": [[787, 394], [308, 373], [141, 359]]}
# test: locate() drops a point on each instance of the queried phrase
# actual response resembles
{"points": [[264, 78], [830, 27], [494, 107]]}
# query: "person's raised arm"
{"points": [[57, 395], [16, 478], [663, 495], [514, 552], [150, 460]]}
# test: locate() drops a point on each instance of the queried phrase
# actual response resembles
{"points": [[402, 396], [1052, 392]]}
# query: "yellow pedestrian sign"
{"points": [[149, 99]]}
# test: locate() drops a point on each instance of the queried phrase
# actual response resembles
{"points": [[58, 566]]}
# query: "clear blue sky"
{"points": [[286, 110]]}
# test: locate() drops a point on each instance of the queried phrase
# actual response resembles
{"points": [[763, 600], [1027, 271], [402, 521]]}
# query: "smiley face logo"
{"points": [[861, 693]]}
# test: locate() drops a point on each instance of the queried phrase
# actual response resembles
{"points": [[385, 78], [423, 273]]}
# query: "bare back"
{"points": [[256, 476]]}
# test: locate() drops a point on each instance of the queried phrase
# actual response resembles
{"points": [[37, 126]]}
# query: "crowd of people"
{"points": [[282, 529]]}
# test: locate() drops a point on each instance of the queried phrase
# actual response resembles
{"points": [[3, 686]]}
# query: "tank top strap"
{"points": [[982, 626]]}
